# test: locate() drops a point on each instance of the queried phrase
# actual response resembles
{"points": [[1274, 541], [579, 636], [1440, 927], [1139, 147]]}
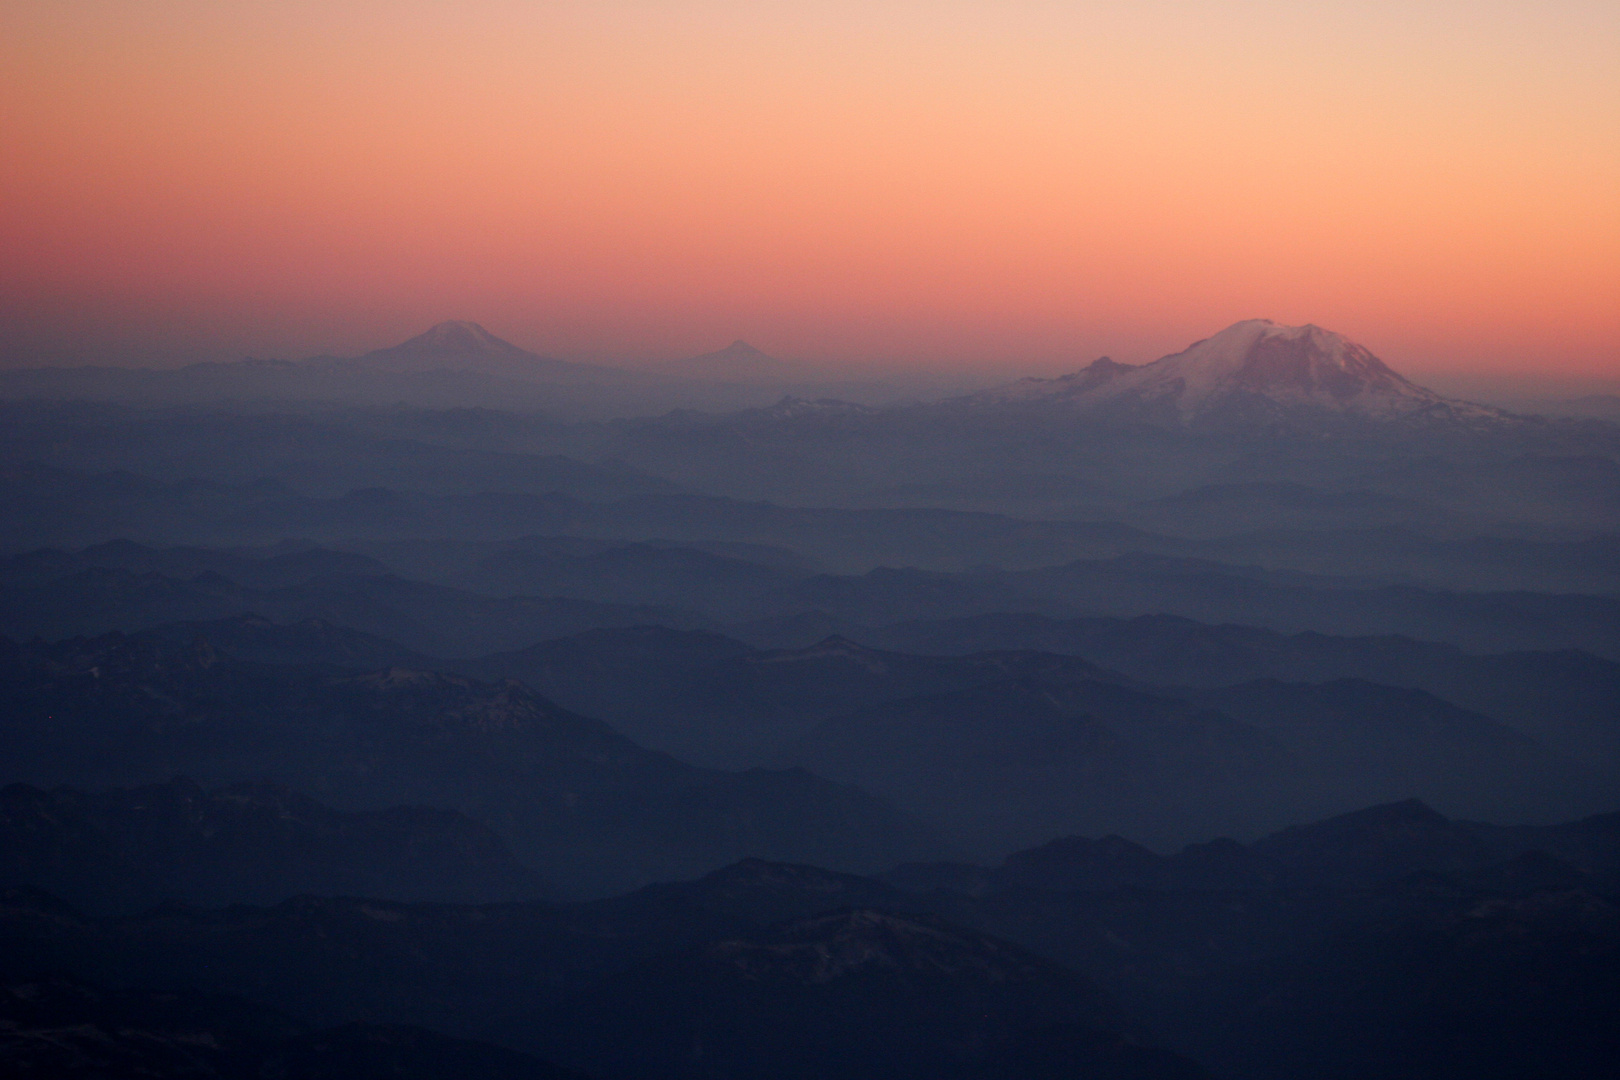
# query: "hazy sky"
{"points": [[1030, 184]]}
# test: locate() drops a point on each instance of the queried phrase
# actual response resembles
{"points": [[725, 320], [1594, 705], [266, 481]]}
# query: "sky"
{"points": [[1020, 184]]}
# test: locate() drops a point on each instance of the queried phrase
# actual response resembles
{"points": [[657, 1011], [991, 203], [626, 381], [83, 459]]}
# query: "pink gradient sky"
{"points": [[1019, 184]]}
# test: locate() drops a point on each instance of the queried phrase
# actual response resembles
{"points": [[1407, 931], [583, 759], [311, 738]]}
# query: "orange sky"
{"points": [[1028, 184]]}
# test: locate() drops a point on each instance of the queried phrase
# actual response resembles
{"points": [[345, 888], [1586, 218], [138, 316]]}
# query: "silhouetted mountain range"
{"points": [[587, 807], [1000, 748], [1567, 699], [1012, 761], [428, 618], [855, 994], [707, 697], [329, 688], [458, 363], [1380, 924], [256, 842], [759, 593], [60, 1027]]}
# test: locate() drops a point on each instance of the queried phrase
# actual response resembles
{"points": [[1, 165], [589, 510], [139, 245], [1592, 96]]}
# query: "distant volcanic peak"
{"points": [[459, 336], [738, 355], [459, 345], [1295, 363], [1253, 361], [738, 350], [737, 361]]}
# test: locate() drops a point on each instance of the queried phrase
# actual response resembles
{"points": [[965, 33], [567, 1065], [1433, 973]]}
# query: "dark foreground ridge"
{"points": [[591, 810], [1080, 957], [59, 1027], [250, 842]]}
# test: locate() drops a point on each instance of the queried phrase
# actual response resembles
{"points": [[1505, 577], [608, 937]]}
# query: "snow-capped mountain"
{"points": [[458, 345], [1255, 367]]}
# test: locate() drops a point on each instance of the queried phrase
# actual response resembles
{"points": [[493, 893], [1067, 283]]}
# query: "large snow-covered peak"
{"points": [[1291, 362], [1252, 365]]}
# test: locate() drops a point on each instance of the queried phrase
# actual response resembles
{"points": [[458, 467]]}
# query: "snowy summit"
{"points": [[1251, 365]]}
